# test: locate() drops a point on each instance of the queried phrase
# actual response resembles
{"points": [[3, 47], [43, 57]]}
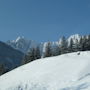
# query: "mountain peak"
{"points": [[19, 38], [75, 38], [22, 44]]}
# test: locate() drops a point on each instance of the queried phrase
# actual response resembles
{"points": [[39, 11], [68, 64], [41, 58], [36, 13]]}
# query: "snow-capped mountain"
{"points": [[76, 38], [64, 72], [24, 45], [21, 44]]}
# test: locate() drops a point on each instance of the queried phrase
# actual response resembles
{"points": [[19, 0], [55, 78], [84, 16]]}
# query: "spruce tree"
{"points": [[33, 54], [81, 44], [64, 45], [48, 50], [88, 43], [84, 46], [30, 56], [2, 69], [56, 50], [75, 46], [71, 44], [37, 53]]}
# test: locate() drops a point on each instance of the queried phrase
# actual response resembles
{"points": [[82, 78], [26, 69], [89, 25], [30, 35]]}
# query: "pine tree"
{"points": [[25, 59], [37, 53], [48, 50], [84, 40], [30, 56], [70, 48], [88, 43], [56, 50], [64, 45], [77, 45], [2, 69], [81, 44]]}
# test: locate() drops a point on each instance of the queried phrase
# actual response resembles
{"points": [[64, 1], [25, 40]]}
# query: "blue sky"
{"points": [[43, 20]]}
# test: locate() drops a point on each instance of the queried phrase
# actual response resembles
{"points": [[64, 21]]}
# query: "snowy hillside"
{"points": [[65, 72]]}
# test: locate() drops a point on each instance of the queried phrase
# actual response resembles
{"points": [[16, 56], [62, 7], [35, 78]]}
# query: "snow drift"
{"points": [[64, 72]]}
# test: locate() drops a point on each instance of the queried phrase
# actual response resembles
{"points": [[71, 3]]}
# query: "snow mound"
{"points": [[64, 72]]}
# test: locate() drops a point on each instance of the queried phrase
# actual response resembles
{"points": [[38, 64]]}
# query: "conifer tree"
{"points": [[75, 46], [37, 53], [33, 54], [48, 50], [30, 56], [84, 40], [70, 48], [80, 44], [64, 45], [56, 50], [88, 43], [2, 69]]}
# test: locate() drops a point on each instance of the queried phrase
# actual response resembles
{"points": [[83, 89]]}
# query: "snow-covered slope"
{"points": [[65, 72]]}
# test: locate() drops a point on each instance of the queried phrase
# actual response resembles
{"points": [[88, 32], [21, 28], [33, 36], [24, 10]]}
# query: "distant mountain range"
{"points": [[13, 51], [24, 44]]}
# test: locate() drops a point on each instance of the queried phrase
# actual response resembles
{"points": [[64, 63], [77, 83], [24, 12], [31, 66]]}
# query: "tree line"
{"points": [[57, 49], [50, 49]]}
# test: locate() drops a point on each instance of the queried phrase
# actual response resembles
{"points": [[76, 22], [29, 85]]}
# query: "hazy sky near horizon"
{"points": [[43, 20]]}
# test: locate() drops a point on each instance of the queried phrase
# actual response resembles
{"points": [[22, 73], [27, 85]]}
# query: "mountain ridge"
{"points": [[10, 57], [23, 44]]}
